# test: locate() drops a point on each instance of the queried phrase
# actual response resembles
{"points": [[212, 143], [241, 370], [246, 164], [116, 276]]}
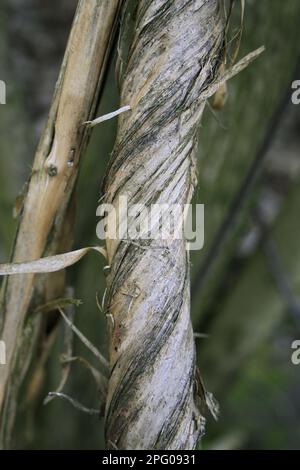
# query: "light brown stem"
{"points": [[42, 228]]}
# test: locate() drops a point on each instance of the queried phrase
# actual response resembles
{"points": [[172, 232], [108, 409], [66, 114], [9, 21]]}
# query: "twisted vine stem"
{"points": [[152, 394]]}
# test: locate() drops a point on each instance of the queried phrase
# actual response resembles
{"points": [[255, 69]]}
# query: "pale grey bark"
{"points": [[174, 57]]}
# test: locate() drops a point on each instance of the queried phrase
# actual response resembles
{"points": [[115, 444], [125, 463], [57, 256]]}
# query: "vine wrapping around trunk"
{"points": [[174, 57], [45, 226]]}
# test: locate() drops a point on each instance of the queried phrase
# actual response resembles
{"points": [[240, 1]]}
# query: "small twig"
{"points": [[100, 305], [114, 446], [68, 344], [99, 378], [85, 341], [75, 403], [107, 117], [111, 317], [54, 304], [201, 335]]}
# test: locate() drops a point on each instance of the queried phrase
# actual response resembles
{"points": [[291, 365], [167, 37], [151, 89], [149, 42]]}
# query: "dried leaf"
{"points": [[234, 70], [85, 341], [107, 117], [49, 264]]}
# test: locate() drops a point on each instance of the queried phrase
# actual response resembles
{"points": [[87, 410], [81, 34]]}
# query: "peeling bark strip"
{"points": [[46, 206], [174, 57]]}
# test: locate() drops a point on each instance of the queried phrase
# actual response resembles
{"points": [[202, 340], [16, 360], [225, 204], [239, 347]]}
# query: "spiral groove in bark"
{"points": [[174, 56]]}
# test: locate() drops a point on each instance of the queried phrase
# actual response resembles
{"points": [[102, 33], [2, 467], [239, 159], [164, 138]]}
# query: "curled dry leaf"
{"points": [[48, 264]]}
